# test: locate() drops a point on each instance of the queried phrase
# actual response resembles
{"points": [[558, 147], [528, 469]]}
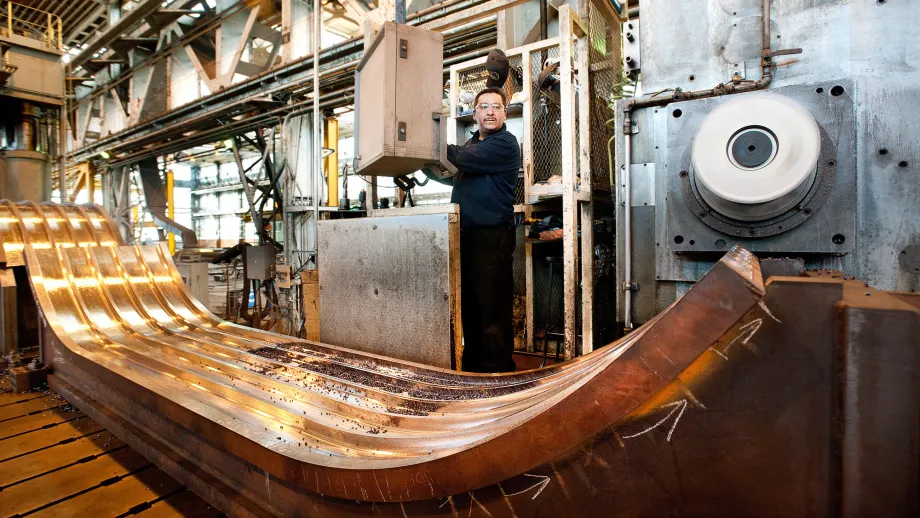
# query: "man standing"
{"points": [[488, 167]]}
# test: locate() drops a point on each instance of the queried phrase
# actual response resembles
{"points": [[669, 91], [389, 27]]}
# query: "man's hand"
{"points": [[434, 173]]}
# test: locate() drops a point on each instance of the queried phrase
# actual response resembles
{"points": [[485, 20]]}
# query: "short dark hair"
{"points": [[491, 90]]}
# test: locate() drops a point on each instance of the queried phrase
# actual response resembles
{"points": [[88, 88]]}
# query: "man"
{"points": [[488, 167]]}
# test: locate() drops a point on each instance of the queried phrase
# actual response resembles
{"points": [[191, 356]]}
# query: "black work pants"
{"points": [[487, 296]]}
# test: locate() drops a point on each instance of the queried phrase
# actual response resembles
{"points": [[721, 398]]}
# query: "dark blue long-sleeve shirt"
{"points": [[488, 173]]}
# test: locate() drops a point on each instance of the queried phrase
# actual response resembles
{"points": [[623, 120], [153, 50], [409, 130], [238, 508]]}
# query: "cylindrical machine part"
{"points": [[25, 175], [755, 157], [26, 134], [25, 172]]}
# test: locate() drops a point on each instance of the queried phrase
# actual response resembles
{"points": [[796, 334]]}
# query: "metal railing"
{"points": [[23, 20]]}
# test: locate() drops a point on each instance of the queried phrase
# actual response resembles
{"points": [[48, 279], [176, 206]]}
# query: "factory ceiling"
{"points": [[80, 19]]}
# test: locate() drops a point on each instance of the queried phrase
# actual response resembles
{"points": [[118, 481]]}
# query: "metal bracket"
{"points": [[631, 286], [401, 132], [632, 58], [404, 49]]}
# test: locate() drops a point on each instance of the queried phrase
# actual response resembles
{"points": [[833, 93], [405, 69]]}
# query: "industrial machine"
{"points": [[31, 101], [31, 97], [777, 137]]}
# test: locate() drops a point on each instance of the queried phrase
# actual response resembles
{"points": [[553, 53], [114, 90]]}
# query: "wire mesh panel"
{"points": [[577, 118], [546, 116], [606, 83], [473, 80]]}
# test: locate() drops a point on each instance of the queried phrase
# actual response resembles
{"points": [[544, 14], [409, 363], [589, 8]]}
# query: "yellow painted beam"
{"points": [[331, 141], [171, 208]]}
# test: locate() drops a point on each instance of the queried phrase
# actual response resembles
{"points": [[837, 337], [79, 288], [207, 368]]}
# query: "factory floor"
{"points": [[55, 461]]}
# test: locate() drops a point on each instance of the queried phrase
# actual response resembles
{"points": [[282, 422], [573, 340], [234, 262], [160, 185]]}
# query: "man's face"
{"points": [[490, 119]]}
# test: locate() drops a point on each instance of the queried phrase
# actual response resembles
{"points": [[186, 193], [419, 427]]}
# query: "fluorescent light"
{"points": [[105, 155]]}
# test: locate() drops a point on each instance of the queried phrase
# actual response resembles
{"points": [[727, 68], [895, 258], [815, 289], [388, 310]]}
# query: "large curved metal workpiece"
{"points": [[262, 424]]}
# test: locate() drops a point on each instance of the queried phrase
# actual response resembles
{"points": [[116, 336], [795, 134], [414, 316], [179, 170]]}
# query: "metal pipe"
{"points": [[418, 18], [445, 5], [400, 11], [464, 57], [325, 74], [317, 128], [627, 232], [329, 101], [544, 31], [737, 85], [765, 14], [112, 143]]}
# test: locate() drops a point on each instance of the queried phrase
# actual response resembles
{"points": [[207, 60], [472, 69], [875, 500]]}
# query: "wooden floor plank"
{"points": [[185, 503], [40, 491], [43, 461], [8, 397], [116, 499], [21, 444], [30, 406], [34, 422]]}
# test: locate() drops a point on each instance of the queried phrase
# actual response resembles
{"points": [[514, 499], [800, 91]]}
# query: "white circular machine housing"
{"points": [[755, 156]]}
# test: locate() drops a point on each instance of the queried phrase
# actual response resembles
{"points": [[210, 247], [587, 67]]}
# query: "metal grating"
{"points": [[547, 123]]}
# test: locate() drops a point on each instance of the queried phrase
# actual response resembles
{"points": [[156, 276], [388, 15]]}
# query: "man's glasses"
{"points": [[495, 106]]}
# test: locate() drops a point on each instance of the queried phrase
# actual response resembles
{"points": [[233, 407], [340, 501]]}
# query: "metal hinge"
{"points": [[631, 286]]}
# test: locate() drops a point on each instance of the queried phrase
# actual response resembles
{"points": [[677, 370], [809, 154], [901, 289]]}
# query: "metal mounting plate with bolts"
{"points": [[631, 54], [822, 220]]}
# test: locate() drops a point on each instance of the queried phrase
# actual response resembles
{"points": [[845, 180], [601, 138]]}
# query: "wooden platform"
{"points": [[56, 462]]}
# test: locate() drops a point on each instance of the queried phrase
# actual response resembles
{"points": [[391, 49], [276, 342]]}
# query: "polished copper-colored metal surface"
{"points": [[263, 424]]}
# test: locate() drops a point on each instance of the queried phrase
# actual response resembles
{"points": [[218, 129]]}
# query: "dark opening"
{"points": [[838, 239], [883, 151], [902, 163], [677, 113], [837, 91], [820, 90], [678, 239]]}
